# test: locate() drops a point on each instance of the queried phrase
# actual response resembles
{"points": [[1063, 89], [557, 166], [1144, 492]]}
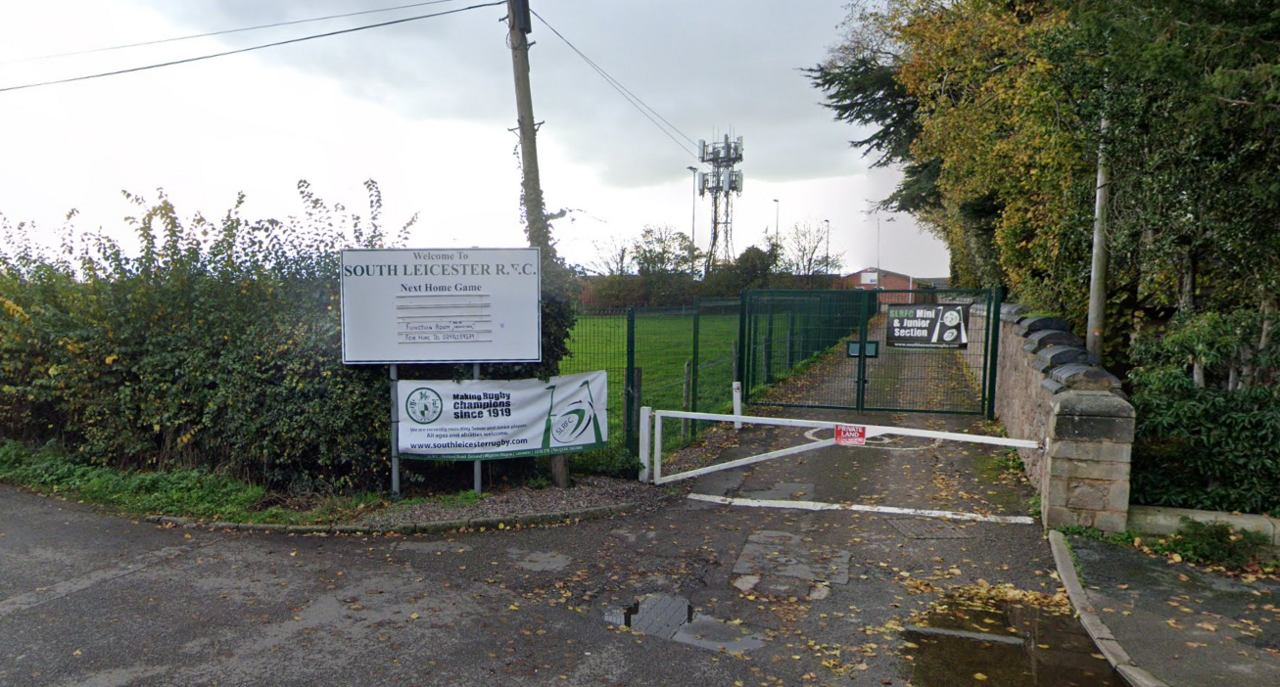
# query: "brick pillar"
{"points": [[1085, 480]]}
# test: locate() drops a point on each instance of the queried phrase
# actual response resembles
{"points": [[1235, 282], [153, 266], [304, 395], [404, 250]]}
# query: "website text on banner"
{"points": [[446, 420]]}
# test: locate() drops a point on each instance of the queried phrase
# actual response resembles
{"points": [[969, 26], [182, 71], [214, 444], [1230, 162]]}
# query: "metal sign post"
{"points": [[475, 374], [395, 435]]}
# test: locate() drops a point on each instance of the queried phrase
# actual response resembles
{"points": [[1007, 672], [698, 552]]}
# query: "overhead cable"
{"points": [[630, 97], [223, 32], [251, 48]]}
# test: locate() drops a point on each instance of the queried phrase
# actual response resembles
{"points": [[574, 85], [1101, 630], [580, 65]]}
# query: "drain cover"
{"points": [[929, 529], [672, 617]]}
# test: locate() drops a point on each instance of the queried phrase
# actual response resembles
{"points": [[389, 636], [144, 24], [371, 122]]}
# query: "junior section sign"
{"points": [[482, 420], [441, 305], [928, 326]]}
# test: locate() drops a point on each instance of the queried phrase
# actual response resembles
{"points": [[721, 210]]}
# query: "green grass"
{"points": [[184, 493], [664, 342]]}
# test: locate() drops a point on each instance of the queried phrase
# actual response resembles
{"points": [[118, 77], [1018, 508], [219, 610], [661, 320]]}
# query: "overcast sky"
{"points": [[424, 108]]}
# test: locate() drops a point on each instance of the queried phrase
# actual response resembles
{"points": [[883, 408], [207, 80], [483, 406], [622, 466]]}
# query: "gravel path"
{"points": [[587, 492]]}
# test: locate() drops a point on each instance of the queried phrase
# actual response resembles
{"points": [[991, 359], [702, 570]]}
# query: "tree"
{"points": [[753, 269], [663, 250], [666, 260], [805, 251], [614, 257]]}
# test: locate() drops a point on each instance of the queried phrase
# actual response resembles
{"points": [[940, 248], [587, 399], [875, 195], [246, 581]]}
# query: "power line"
{"points": [[630, 97], [223, 32], [250, 48]]}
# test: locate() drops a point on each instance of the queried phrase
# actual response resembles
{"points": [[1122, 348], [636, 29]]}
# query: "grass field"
{"points": [[664, 343]]}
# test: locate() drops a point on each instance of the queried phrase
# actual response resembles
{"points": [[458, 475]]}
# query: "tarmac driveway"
{"points": [[726, 595]]}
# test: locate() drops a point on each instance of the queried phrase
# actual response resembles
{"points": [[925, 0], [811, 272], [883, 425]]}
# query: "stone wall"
{"points": [[1049, 388]]}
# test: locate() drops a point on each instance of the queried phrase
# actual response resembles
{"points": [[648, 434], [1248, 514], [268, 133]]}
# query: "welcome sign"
{"points": [[484, 419], [441, 305]]}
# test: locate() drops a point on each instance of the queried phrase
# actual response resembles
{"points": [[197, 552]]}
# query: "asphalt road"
{"points": [[795, 597]]}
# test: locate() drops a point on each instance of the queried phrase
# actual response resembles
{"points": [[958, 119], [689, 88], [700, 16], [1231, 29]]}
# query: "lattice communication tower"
{"points": [[722, 182]]}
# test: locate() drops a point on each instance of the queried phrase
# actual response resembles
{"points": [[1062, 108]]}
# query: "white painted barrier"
{"points": [[739, 420]]}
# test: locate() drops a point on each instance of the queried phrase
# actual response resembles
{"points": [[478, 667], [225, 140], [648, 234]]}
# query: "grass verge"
{"points": [[191, 494], [1215, 546]]}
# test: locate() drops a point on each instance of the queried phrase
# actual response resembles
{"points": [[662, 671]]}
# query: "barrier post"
{"points": [[737, 403], [646, 414]]}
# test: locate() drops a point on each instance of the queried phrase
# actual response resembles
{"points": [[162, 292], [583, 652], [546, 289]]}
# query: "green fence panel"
{"points": [[868, 363]]}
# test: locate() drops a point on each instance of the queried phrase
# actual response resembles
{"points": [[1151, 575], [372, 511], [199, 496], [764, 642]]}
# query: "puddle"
{"points": [[1010, 644], [673, 617]]}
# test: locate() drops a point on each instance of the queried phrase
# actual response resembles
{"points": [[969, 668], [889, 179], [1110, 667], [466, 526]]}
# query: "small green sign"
{"points": [[868, 349]]}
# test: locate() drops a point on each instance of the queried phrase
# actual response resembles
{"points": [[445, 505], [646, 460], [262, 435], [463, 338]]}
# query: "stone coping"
{"points": [[435, 527], [1164, 520]]}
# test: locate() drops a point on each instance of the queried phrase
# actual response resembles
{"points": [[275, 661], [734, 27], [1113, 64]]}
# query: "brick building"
{"points": [[872, 279]]}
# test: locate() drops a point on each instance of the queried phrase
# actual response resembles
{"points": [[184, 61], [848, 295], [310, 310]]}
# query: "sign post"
{"points": [[439, 305], [395, 433]]}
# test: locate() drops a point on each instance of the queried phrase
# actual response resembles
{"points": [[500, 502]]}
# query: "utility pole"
{"points": [[520, 24], [1098, 275]]}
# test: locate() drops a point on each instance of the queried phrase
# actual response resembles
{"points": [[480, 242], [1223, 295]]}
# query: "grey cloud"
{"points": [[701, 65]]}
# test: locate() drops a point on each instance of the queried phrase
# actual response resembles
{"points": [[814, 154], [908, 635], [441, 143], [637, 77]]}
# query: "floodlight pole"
{"points": [[693, 216]]}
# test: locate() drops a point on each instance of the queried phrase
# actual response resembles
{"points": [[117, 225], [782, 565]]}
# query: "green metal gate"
{"points": [[926, 350]]}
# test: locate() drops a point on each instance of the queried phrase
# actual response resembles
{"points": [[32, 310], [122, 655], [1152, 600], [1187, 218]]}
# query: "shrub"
{"points": [[217, 347], [1216, 446]]}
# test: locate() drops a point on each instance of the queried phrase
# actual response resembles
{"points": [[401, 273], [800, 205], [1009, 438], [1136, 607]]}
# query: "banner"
{"points": [[928, 326], [483, 420]]}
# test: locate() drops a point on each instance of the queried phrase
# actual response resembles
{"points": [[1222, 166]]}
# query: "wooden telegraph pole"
{"points": [[520, 24]]}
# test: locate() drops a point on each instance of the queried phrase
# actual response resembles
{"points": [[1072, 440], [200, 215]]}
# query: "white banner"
{"points": [[483, 419]]}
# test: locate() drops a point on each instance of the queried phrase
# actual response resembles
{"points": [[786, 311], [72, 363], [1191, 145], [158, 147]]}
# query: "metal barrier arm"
{"points": [[871, 431], [745, 461]]}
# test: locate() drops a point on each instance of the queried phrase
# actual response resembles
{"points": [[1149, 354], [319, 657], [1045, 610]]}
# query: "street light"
{"points": [[777, 212], [693, 216], [827, 260]]}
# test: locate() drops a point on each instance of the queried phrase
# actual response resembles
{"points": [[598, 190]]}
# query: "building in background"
{"points": [[875, 279]]}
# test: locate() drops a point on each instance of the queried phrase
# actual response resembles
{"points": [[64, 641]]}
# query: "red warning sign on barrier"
{"points": [[851, 435]]}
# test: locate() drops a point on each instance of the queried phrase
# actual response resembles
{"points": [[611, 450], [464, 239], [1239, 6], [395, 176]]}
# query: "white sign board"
{"points": [[441, 305], [485, 419]]}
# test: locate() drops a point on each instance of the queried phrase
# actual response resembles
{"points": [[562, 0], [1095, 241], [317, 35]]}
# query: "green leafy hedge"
{"points": [[1213, 445], [216, 346]]}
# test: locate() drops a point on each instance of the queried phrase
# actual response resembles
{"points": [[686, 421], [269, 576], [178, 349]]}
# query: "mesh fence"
{"points": [[787, 330], [667, 358], [935, 376], [912, 351], [687, 358], [599, 342]]}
